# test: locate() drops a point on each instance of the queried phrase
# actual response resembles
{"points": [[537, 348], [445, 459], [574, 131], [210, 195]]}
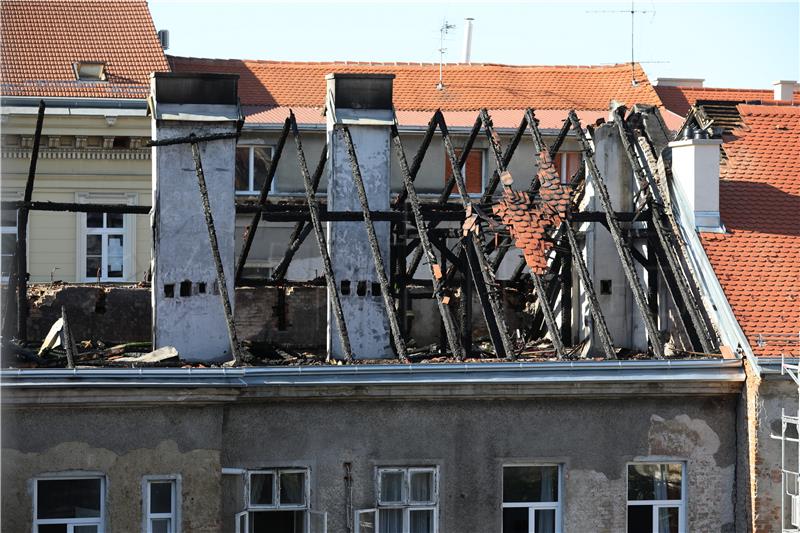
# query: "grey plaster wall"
{"points": [[468, 440]]}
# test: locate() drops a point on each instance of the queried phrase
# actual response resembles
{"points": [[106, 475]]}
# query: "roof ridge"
{"points": [[401, 63]]}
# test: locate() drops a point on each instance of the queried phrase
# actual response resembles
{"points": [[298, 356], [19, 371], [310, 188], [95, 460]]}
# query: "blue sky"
{"points": [[730, 44]]}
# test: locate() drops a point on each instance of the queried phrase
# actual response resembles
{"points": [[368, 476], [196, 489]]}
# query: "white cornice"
{"points": [[74, 153]]}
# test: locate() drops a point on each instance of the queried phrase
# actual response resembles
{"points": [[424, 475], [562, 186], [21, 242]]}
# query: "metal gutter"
{"points": [[729, 329], [56, 101], [571, 372]]}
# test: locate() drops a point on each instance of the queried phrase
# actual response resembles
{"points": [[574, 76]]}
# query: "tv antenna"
{"points": [[633, 12], [443, 30]]}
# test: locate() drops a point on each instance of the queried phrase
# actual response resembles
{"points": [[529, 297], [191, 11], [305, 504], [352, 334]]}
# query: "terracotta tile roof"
{"points": [[680, 99], [758, 260], [529, 220], [468, 87], [42, 39]]}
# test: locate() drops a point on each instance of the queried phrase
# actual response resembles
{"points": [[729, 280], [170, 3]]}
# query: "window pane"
{"points": [[391, 487], [243, 169], [53, 528], [515, 520], [5, 265], [293, 488], [421, 521], [9, 243], [115, 256], [8, 217], [160, 525], [530, 484], [94, 245], [114, 220], [161, 497], [668, 520], [68, 498], [390, 520], [654, 481], [545, 520], [278, 522], [640, 519], [82, 529], [94, 220], [422, 486], [93, 267], [261, 161], [261, 489]]}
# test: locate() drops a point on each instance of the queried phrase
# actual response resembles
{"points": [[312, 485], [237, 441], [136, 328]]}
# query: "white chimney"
{"points": [[679, 82], [467, 40], [695, 167], [784, 90]]}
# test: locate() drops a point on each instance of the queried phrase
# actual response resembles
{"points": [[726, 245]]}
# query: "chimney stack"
{"points": [[695, 168], [784, 90], [467, 40], [680, 82]]}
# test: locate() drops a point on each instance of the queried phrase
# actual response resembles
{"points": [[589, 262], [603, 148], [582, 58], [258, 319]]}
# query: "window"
{"points": [[105, 244], [252, 166], [656, 498], [160, 500], [69, 505], [278, 502], [473, 171], [407, 502], [532, 499], [567, 164], [9, 241], [90, 71]]}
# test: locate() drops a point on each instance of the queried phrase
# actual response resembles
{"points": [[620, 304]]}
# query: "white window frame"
{"points": [[128, 230], [406, 504], [174, 515], [70, 522], [534, 506], [243, 517], [251, 165], [659, 504], [11, 230]]}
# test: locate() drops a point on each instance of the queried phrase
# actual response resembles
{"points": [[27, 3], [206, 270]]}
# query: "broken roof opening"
{"points": [[90, 70]]}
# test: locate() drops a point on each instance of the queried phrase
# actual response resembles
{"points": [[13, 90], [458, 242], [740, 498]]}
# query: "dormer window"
{"points": [[90, 70]]}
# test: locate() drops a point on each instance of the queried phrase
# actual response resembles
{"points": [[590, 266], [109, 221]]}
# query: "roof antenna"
{"points": [[633, 12], [446, 27]]}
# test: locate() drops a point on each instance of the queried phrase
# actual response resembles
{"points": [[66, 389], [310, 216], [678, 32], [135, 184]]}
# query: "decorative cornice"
{"points": [[76, 153]]}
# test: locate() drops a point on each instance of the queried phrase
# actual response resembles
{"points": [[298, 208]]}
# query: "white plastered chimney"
{"points": [[695, 168]]}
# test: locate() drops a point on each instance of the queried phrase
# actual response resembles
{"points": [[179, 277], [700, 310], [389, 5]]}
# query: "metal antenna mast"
{"points": [[446, 27], [633, 11]]}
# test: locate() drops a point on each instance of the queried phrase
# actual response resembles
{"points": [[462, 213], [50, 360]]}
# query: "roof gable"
{"points": [[42, 41]]}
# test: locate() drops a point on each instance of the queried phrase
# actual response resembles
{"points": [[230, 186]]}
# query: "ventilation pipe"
{"points": [[467, 40]]}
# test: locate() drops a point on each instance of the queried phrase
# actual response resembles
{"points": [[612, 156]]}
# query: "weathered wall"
{"points": [[469, 440], [112, 313]]}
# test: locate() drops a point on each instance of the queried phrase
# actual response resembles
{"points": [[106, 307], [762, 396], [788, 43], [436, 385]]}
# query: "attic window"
{"points": [[90, 71]]}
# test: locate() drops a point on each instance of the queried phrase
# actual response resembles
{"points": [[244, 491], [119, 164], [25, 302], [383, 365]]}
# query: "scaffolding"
{"points": [[790, 444]]}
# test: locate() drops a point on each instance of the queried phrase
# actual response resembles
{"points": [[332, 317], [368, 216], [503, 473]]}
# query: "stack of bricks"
{"points": [[529, 221]]}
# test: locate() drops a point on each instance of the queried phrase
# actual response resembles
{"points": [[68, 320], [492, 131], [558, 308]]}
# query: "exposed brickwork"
{"points": [[529, 221]]}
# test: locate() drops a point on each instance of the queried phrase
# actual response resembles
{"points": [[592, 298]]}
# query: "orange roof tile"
{"points": [[467, 87], [758, 260], [41, 40], [680, 99]]}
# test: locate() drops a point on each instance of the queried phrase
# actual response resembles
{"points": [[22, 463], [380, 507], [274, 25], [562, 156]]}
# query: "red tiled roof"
{"points": [[680, 99], [42, 39], [467, 87], [758, 260]]}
